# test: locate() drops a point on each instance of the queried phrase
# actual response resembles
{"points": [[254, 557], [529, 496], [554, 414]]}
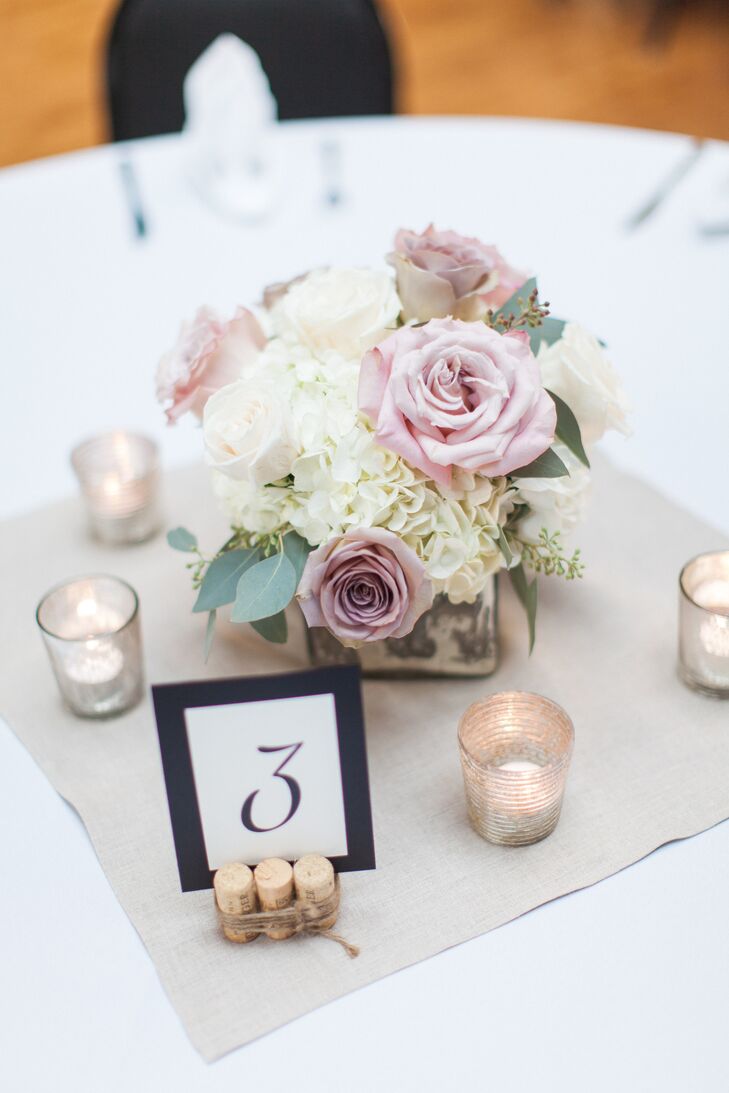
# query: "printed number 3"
{"points": [[294, 789]]}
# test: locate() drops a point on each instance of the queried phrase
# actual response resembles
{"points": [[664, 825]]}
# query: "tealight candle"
{"points": [[515, 753], [119, 477], [91, 631], [704, 624]]}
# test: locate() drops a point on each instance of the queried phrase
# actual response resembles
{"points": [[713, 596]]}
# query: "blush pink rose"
{"points": [[456, 394], [443, 273], [364, 586], [209, 354]]}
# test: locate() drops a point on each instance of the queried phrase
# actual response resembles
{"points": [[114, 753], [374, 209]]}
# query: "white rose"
{"points": [[577, 370], [247, 432], [348, 310], [556, 504]]}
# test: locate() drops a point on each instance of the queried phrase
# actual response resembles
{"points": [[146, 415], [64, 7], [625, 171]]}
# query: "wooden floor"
{"points": [[584, 59]]}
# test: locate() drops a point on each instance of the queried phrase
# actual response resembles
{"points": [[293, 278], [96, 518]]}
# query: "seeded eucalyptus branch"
{"points": [[198, 568], [531, 314], [239, 540], [268, 543], [547, 557]]}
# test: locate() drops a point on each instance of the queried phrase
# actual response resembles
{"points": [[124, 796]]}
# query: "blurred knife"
{"points": [[712, 231], [669, 184]]}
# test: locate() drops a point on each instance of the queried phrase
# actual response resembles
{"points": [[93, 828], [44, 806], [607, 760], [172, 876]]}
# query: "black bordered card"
{"points": [[265, 767]]}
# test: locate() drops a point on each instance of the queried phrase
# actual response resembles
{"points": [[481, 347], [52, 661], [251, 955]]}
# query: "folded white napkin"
{"points": [[230, 119]]}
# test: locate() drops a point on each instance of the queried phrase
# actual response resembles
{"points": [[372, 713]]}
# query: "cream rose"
{"points": [[248, 434], [348, 310], [576, 368]]}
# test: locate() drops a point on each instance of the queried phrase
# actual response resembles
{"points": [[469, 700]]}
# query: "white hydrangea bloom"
{"points": [[471, 579], [262, 511]]}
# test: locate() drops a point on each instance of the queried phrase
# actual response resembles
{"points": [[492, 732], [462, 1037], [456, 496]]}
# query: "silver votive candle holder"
{"points": [[703, 633], [119, 477], [515, 753], [91, 631]]}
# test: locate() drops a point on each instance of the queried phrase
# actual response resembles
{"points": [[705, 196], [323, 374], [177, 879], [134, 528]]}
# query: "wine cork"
{"points": [[275, 885], [315, 884], [235, 894]]}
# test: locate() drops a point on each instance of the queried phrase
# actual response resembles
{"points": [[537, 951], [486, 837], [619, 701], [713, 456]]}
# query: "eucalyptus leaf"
{"points": [[221, 579], [209, 634], [275, 628], [182, 539], [550, 330], [568, 430], [297, 550], [547, 465], [264, 589], [512, 305], [527, 594], [505, 548]]}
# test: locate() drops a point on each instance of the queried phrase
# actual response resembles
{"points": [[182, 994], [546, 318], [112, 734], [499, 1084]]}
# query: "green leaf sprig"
{"points": [[259, 578], [546, 465], [526, 592], [568, 431], [545, 557], [548, 557]]}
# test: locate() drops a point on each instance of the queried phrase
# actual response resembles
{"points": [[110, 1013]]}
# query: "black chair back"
{"points": [[323, 58]]}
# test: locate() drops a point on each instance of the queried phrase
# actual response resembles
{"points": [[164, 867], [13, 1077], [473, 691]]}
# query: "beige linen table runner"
{"points": [[651, 760]]}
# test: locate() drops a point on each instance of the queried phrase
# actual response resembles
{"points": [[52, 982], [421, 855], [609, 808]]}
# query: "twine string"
{"points": [[302, 917]]}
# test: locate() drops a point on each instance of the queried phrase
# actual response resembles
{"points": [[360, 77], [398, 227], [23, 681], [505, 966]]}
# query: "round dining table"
{"points": [[620, 986]]}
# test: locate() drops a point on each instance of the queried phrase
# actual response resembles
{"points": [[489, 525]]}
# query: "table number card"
{"points": [[267, 766]]}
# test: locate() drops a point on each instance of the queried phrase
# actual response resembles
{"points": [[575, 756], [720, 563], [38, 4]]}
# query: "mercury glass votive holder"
{"points": [[515, 753], [703, 632], [119, 477], [91, 631]]}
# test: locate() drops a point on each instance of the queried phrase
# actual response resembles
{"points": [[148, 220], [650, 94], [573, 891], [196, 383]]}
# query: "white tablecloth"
{"points": [[620, 986]]}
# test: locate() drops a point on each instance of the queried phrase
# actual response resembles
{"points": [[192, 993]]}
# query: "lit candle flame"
{"points": [[112, 485]]}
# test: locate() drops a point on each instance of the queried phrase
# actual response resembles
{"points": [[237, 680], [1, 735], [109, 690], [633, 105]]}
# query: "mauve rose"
{"points": [[364, 586], [209, 354], [443, 273], [455, 394]]}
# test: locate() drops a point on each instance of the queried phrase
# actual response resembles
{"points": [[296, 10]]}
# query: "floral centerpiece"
{"points": [[385, 441]]}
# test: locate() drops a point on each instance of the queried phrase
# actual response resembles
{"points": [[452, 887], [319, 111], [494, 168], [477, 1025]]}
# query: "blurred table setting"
{"points": [[103, 252]]}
